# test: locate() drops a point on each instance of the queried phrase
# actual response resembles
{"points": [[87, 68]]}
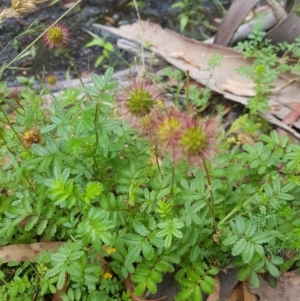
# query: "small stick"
{"points": [[277, 9]]}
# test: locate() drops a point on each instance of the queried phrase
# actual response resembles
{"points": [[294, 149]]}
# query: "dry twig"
{"points": [[277, 9]]}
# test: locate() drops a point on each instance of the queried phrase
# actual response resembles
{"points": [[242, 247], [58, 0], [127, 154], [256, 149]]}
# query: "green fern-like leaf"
{"points": [[194, 253], [163, 266], [148, 275], [192, 274], [254, 279], [185, 294], [170, 228], [244, 272], [42, 226], [140, 289], [92, 190], [239, 247], [208, 284], [293, 156], [61, 279], [263, 237], [140, 228], [171, 258], [230, 240], [147, 250], [134, 253], [239, 225], [31, 223], [273, 270], [39, 150], [248, 252], [96, 227]]}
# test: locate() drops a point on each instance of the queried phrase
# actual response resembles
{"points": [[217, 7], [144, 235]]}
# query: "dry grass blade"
{"points": [[19, 7]]}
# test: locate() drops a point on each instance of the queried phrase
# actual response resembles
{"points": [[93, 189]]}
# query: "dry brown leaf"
{"points": [[22, 252], [218, 20], [178, 54], [238, 87], [237, 293], [293, 115], [247, 295], [25, 220], [287, 288], [110, 20], [181, 55], [289, 253], [291, 118], [263, 8], [241, 293], [228, 106], [293, 105]]}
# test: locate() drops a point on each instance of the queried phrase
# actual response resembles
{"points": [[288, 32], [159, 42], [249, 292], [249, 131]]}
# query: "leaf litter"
{"points": [[188, 54]]}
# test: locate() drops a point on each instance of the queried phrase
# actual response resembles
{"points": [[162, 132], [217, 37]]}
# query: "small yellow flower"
{"points": [[160, 103], [231, 140], [168, 127], [107, 275], [110, 250]]}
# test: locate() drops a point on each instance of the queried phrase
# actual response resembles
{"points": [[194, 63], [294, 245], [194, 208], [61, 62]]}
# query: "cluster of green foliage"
{"points": [[91, 182], [75, 173], [199, 98], [106, 47], [269, 61], [192, 19]]}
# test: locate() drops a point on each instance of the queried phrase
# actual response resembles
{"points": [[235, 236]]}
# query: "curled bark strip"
{"points": [[232, 20], [277, 9], [238, 12]]}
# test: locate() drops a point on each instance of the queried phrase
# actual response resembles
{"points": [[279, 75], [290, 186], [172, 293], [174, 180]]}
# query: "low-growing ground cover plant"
{"points": [[134, 188], [129, 206]]}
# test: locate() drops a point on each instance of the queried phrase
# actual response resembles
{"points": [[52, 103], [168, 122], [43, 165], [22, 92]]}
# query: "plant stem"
{"points": [[88, 95], [13, 108], [172, 181], [238, 207], [96, 133], [137, 9], [187, 97], [219, 6], [13, 129], [156, 160], [96, 123], [212, 204], [73, 65], [11, 152], [76, 70]]}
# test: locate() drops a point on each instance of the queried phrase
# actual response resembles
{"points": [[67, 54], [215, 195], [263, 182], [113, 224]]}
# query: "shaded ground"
{"points": [[79, 20]]}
